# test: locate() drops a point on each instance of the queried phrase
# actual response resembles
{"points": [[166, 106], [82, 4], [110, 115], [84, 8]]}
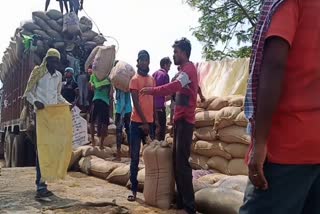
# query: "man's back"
{"points": [[295, 123]]}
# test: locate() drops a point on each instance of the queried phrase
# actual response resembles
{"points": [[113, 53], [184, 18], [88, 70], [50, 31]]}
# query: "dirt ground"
{"points": [[78, 193]]}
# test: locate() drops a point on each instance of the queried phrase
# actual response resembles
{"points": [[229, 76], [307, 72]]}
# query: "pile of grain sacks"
{"points": [[221, 141]]}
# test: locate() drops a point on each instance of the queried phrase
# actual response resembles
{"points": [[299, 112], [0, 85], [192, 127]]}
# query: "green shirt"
{"points": [[102, 93]]}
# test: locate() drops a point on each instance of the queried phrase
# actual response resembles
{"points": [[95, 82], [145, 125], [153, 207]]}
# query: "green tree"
{"points": [[226, 23]]}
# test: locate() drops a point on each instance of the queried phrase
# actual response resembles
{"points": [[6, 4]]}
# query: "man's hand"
{"points": [[145, 128], [257, 160], [146, 91], [39, 105]]}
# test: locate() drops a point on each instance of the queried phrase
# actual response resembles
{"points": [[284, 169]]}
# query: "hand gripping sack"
{"points": [[159, 182], [121, 75], [103, 61]]}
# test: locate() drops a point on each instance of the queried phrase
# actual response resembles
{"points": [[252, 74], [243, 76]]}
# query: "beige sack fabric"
{"points": [[101, 168], [236, 101], [241, 120], [121, 75], [104, 61], [120, 175], [210, 149], [237, 167], [219, 163], [217, 104], [140, 178], [206, 133], [212, 178], [205, 118], [75, 157], [237, 150], [238, 183], [198, 162], [226, 116], [96, 151], [159, 181], [234, 134], [91, 57], [71, 24], [124, 151], [205, 104]]}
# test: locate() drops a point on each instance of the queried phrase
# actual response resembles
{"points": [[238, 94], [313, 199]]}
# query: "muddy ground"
{"points": [[78, 193]]}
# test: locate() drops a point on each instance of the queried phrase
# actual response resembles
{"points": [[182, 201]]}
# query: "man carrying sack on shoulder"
{"points": [[52, 112]]}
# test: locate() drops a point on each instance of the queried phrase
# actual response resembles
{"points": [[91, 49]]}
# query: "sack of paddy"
{"points": [[30, 26], [198, 110], [41, 15], [205, 118], [238, 183], [71, 24], [75, 157], [112, 129], [54, 35], [103, 61], [121, 75], [210, 149], [87, 22], [236, 101], [241, 120], [200, 173], [218, 201], [99, 39], [198, 162], [85, 164], [234, 134], [206, 103], [198, 185], [40, 22], [54, 14], [219, 163], [237, 150], [101, 168], [225, 117], [217, 104], [140, 178], [55, 26], [120, 175], [159, 180], [124, 151], [96, 151], [110, 140], [41, 33], [89, 35], [237, 167], [212, 178], [206, 133]]}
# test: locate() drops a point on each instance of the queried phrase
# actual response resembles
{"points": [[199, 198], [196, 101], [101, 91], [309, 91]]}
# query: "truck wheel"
{"points": [[7, 149], [17, 156]]}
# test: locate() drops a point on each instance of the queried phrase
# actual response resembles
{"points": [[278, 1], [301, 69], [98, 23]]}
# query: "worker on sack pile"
{"points": [[185, 87], [100, 109], [122, 117], [61, 3], [44, 88], [161, 77], [75, 5], [69, 86], [143, 116], [282, 107]]}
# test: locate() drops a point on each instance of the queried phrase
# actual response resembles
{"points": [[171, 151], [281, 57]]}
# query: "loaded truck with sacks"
{"points": [[73, 37]]}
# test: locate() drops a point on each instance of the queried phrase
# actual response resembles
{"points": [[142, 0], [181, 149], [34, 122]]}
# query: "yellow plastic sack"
{"points": [[54, 141]]}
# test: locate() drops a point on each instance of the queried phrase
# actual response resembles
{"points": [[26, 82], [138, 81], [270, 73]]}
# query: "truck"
{"points": [[27, 48]]}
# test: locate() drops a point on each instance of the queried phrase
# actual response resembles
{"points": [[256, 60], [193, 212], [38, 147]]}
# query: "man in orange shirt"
{"points": [[283, 107], [142, 118]]}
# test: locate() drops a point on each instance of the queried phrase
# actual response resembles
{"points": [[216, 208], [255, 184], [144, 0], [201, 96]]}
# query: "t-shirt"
{"points": [[185, 88], [294, 136], [123, 102], [68, 90], [161, 77], [139, 82], [102, 93]]}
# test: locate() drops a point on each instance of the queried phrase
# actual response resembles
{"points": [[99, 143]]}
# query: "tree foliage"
{"points": [[226, 23]]}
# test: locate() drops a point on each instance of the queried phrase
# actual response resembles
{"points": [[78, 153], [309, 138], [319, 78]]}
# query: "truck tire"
{"points": [[7, 149], [17, 155]]}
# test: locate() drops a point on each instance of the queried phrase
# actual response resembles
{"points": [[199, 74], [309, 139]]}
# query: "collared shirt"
{"points": [[47, 90], [161, 77], [123, 102]]}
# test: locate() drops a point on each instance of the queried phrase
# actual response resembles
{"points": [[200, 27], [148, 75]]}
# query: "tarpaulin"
{"points": [[223, 78], [54, 141]]}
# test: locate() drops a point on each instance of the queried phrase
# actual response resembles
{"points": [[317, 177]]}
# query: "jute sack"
{"points": [[206, 133], [90, 59], [103, 61], [44, 26], [234, 134], [226, 116], [86, 21], [218, 201], [159, 180], [205, 118], [237, 167], [124, 150], [198, 162], [41, 15], [236, 101], [71, 24], [120, 175], [101, 168], [54, 34], [30, 26], [205, 104], [89, 35], [212, 178], [96, 151], [42, 33], [198, 110], [112, 129], [140, 178], [217, 104], [85, 164], [210, 149], [75, 157], [121, 75], [54, 25], [241, 120], [198, 185], [237, 150], [238, 183], [219, 163], [110, 140], [99, 39], [54, 14]]}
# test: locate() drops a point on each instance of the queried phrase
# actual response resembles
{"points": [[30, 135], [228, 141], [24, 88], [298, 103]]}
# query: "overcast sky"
{"points": [[136, 24]]}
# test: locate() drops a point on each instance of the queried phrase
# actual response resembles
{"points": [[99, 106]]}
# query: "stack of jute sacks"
{"points": [[221, 141]]}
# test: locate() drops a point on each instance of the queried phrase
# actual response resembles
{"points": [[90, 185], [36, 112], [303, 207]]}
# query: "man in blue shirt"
{"points": [[123, 117]]}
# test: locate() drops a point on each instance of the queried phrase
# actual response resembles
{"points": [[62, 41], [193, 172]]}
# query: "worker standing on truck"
{"points": [[61, 2], [186, 88], [44, 88]]}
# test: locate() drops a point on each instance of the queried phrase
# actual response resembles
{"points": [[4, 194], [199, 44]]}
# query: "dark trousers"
{"points": [[293, 189], [41, 186], [136, 137], [183, 173], [120, 123], [162, 118]]}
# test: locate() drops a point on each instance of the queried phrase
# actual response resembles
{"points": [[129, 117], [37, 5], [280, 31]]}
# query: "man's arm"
{"points": [[136, 104]]}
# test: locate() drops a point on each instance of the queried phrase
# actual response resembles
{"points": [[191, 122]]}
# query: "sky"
{"points": [[152, 25]]}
